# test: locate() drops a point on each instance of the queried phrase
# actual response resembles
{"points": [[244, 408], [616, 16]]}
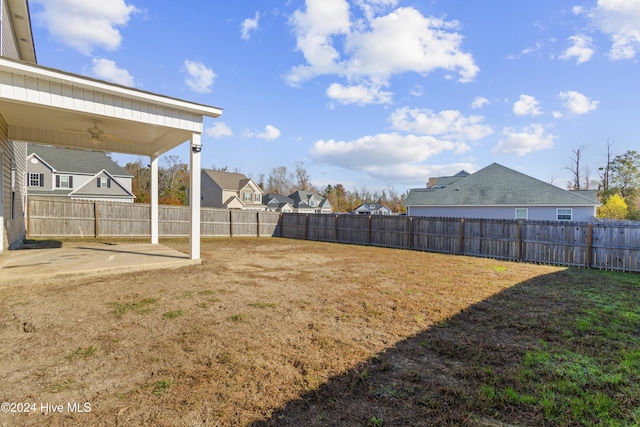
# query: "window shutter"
{"points": [[70, 181], [108, 182], [28, 181], [57, 181], [41, 180], [98, 181]]}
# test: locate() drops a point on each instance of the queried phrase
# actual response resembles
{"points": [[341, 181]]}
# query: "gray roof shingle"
{"points": [[77, 161], [227, 180], [498, 185]]}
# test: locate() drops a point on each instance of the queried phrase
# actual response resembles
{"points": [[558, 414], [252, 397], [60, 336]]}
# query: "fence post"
{"points": [[335, 227], [96, 228], [306, 226], [520, 246], [258, 221], [410, 232], [230, 223], [281, 223], [369, 227], [589, 245], [461, 236], [28, 231]]}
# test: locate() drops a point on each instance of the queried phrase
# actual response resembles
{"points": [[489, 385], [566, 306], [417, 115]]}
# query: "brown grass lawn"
{"points": [[286, 332]]}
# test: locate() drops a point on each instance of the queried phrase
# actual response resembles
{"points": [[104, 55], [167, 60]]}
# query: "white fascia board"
{"points": [[74, 80]]}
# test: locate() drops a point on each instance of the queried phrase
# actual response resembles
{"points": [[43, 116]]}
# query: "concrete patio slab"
{"points": [[86, 259]]}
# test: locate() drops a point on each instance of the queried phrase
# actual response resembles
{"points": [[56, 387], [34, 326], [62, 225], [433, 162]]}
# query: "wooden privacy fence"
{"points": [[603, 245], [48, 217]]}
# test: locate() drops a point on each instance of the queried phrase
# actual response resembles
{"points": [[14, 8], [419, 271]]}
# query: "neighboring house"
{"points": [[278, 203], [230, 191], [16, 43], [309, 202], [499, 192], [76, 174], [372, 209]]}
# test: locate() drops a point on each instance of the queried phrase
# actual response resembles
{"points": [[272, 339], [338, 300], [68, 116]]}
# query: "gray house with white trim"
{"points": [[76, 174], [498, 192]]}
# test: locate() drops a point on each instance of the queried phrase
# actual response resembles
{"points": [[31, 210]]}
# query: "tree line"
{"points": [[173, 185], [617, 182]]}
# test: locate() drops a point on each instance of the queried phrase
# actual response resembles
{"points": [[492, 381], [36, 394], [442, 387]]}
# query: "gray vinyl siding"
{"points": [[544, 213], [91, 188], [212, 193], [8, 45], [13, 154], [41, 168]]}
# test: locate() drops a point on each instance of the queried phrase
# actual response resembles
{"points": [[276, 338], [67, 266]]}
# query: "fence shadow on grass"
{"points": [[445, 374]]}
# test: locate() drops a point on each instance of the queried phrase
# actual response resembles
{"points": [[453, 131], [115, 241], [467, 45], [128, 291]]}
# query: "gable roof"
{"points": [[228, 180], [279, 198], [499, 185], [77, 161], [372, 207]]}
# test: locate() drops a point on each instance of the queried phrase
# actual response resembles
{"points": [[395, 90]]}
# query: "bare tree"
{"points": [[280, 181], [303, 181], [605, 176], [576, 168]]}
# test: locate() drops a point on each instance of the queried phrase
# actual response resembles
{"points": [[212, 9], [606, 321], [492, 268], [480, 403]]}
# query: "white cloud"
{"points": [[412, 173], [448, 124], [527, 106], [249, 25], [528, 139], [199, 77], [270, 133], [85, 25], [359, 94], [371, 153], [417, 90], [107, 69], [479, 102], [582, 49], [620, 19], [218, 130], [577, 103], [370, 51]]}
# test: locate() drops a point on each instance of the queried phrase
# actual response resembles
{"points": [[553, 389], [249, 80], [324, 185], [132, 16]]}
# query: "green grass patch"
{"points": [[173, 314], [82, 352], [143, 306], [236, 317], [263, 304], [162, 386], [588, 372]]}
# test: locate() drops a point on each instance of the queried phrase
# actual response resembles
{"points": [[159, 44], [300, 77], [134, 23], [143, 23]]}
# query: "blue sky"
{"points": [[372, 93]]}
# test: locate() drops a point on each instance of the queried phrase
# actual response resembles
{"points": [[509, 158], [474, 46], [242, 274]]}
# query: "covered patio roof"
{"points": [[49, 106], [53, 107]]}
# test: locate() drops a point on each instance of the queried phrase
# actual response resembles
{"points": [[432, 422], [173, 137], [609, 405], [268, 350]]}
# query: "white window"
{"points": [[36, 180], [246, 197], [64, 181], [256, 197], [522, 213], [564, 214]]}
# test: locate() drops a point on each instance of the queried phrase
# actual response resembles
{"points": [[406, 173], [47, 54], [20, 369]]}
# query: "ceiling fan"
{"points": [[96, 136]]}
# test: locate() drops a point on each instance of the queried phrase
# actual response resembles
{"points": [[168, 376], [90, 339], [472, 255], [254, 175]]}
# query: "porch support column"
{"points": [[154, 200], [194, 196]]}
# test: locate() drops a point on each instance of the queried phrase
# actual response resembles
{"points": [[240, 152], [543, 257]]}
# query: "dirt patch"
{"points": [[271, 332]]}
